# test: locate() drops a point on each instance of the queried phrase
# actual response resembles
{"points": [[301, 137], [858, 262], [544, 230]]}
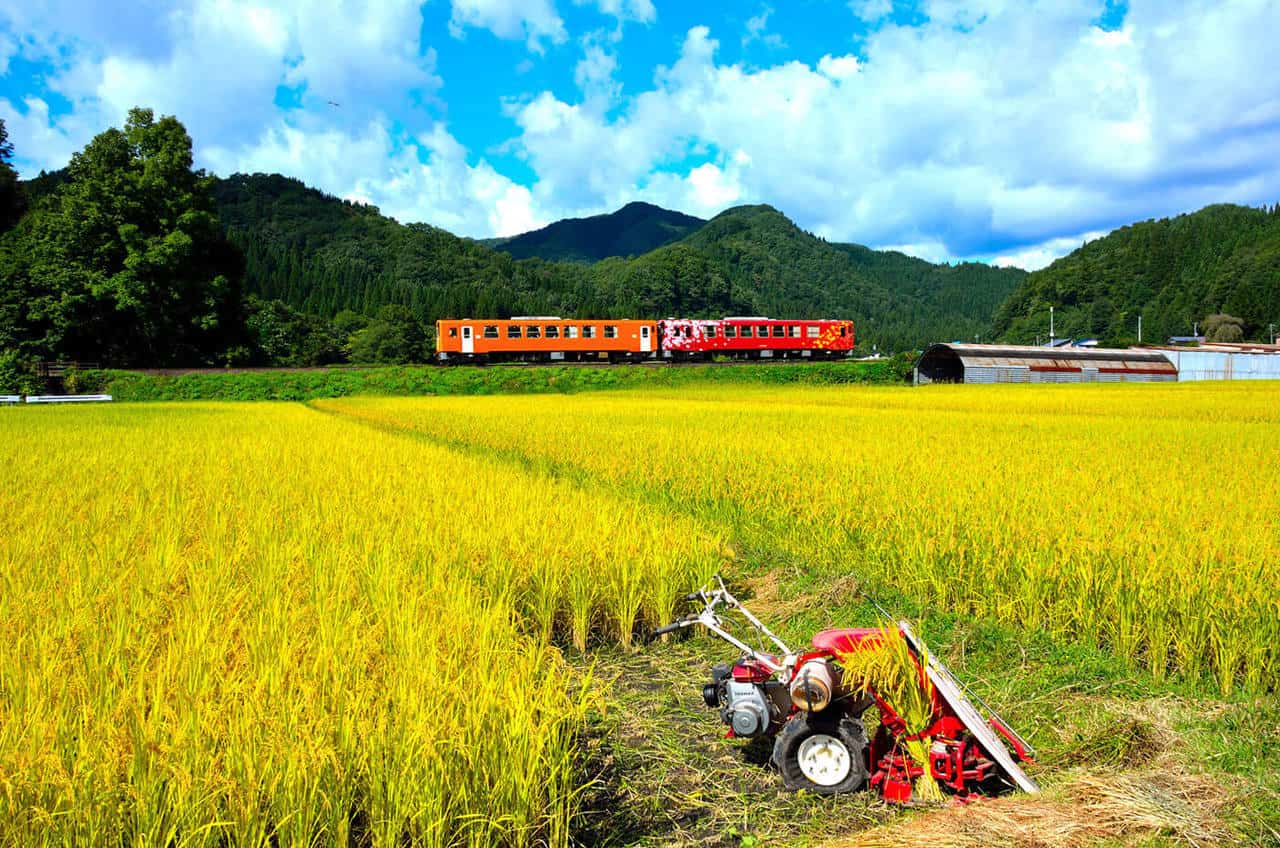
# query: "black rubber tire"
{"points": [[786, 748]]}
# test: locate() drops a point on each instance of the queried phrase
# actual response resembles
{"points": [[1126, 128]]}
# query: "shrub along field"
{"points": [[390, 621]]}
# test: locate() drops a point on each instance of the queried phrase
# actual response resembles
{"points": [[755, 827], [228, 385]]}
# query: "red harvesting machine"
{"points": [[814, 715]]}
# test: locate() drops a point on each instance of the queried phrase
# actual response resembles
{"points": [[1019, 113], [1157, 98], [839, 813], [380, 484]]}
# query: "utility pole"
{"points": [[1139, 328], [1195, 328], [1272, 328], [1050, 326]]}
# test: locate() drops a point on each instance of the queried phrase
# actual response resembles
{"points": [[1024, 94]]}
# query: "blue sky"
{"points": [[1001, 130]]}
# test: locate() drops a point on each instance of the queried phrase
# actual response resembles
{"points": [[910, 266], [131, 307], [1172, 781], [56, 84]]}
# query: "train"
{"points": [[554, 339]]}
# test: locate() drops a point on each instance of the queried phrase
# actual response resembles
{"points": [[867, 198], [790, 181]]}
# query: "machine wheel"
{"points": [[825, 755]]}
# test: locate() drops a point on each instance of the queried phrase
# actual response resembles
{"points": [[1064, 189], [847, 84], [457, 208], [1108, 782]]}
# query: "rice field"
{"points": [[1143, 519], [258, 624], [361, 621]]}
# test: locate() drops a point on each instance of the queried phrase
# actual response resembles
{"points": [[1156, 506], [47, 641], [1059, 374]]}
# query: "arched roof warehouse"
{"points": [[973, 363]]}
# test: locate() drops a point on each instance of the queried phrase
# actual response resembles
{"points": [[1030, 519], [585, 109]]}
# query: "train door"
{"points": [[646, 343], [468, 343]]}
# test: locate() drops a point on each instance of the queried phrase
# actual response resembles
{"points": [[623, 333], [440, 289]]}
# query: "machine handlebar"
{"points": [[670, 628]]}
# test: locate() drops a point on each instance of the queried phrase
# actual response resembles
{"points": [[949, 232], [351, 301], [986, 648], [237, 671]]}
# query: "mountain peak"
{"points": [[634, 229]]}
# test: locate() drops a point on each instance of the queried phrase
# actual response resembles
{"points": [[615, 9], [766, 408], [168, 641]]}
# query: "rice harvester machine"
{"points": [[811, 704]]}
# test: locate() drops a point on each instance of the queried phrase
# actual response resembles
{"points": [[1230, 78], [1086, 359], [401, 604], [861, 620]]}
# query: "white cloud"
{"points": [[871, 10], [991, 129], [594, 75], [534, 21], [1038, 256], [8, 49], [758, 31], [40, 142], [838, 67], [217, 64], [641, 11], [421, 179]]}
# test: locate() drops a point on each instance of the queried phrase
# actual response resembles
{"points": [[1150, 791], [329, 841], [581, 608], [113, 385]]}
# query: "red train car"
{"points": [[545, 339], [754, 338]]}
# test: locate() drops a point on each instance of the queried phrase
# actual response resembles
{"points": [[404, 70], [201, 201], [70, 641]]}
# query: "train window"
{"points": [[453, 332], [610, 331], [710, 330], [684, 331], [746, 332], [588, 331], [553, 332], [794, 331], [779, 331], [571, 332], [533, 331], [730, 331], [762, 332], [490, 331], [812, 331], [513, 331], [844, 331]]}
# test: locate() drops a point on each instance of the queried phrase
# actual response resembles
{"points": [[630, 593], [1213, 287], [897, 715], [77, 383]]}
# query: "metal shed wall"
{"points": [[1224, 365], [1025, 364]]}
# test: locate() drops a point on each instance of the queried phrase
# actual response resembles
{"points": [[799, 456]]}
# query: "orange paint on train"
{"points": [[533, 336]]}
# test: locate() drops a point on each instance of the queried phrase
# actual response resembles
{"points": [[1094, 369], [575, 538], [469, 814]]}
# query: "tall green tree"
{"points": [[12, 198], [394, 336], [127, 262]]}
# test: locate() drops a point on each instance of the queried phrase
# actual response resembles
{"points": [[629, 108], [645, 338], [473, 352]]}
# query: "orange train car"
{"points": [[545, 339]]}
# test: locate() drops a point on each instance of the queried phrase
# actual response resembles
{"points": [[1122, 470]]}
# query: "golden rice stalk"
{"points": [[893, 672]]}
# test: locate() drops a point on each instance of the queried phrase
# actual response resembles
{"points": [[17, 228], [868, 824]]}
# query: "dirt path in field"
{"points": [[663, 773]]}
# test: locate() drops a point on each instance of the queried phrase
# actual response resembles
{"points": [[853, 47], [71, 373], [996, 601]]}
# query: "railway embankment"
{"points": [[313, 383]]}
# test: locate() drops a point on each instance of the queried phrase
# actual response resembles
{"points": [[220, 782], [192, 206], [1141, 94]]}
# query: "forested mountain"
{"points": [[1174, 271], [322, 255], [132, 257], [634, 229], [752, 260]]}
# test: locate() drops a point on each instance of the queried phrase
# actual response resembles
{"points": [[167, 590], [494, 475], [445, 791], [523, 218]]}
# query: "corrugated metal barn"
{"points": [[1226, 362], [972, 363]]}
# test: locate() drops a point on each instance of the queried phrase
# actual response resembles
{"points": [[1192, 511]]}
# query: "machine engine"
{"points": [[751, 707]]}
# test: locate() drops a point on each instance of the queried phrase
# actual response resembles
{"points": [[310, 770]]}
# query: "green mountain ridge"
{"points": [[322, 255], [634, 229], [1173, 272]]}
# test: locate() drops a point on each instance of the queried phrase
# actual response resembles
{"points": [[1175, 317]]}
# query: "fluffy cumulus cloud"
{"points": [[641, 11], [535, 21], [221, 65], [1001, 129], [426, 177], [992, 129]]}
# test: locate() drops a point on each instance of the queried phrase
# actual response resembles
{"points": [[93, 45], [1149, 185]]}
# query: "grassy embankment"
{"points": [[302, 385]]}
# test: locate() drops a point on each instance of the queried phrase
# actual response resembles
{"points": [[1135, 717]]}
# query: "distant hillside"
{"points": [[322, 255], [634, 229], [753, 260], [1173, 272]]}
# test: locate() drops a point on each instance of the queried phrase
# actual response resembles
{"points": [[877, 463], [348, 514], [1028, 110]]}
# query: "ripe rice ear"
{"points": [[894, 673]]}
